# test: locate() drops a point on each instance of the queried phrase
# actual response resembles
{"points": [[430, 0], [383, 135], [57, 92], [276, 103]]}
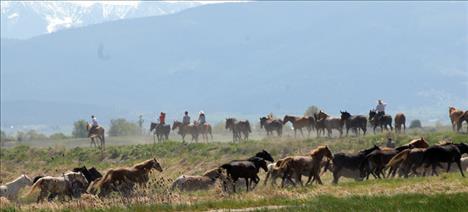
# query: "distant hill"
{"points": [[26, 19], [249, 59]]}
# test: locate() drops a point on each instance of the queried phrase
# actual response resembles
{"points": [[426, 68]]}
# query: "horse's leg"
{"points": [[247, 183], [302, 133], [459, 167], [434, 167], [347, 130], [448, 166]]}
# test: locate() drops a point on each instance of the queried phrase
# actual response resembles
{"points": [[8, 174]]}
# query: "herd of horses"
{"points": [[320, 122], [411, 159]]}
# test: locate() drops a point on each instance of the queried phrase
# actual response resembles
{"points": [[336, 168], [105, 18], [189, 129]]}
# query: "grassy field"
{"points": [[445, 192]]}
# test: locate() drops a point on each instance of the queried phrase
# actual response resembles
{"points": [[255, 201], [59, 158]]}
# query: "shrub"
{"points": [[58, 136], [311, 110], [122, 127], [30, 136], [415, 124], [79, 129]]}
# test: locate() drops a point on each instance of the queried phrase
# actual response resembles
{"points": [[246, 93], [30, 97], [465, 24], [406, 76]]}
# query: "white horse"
{"points": [[11, 189], [61, 186], [193, 183]]}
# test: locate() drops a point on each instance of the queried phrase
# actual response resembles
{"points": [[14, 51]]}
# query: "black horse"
{"points": [[247, 169], [447, 153], [160, 132], [91, 174], [380, 120], [271, 125], [354, 122], [348, 165]]}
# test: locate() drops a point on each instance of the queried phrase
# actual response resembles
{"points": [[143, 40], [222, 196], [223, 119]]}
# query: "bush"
{"points": [[311, 110], [415, 124], [30, 135], [79, 129], [58, 136], [122, 127]]}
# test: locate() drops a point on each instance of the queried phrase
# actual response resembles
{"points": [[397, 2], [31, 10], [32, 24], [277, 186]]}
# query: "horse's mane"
{"points": [[315, 151], [143, 165]]}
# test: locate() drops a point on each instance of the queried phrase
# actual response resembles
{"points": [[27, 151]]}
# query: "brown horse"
{"points": [[329, 123], [456, 118], [186, 129], [297, 165], [114, 178], [96, 133], [204, 130], [238, 128], [400, 120], [299, 123], [378, 160]]}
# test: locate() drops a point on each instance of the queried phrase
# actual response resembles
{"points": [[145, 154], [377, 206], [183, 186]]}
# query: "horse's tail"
{"points": [[248, 126], [35, 186], [398, 158]]}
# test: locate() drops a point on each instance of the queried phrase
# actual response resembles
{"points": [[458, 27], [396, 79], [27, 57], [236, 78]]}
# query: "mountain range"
{"points": [[244, 60], [26, 19]]}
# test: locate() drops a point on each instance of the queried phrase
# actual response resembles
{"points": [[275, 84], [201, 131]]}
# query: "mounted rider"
{"points": [[380, 108], [201, 118], [94, 125], [162, 119], [186, 119]]}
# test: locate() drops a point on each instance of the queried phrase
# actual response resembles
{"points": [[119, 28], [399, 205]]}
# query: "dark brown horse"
{"points": [[400, 120], [329, 123], [186, 129], [447, 153], [271, 125], [238, 129], [298, 123], [160, 132], [354, 122], [379, 120], [114, 178], [96, 133]]}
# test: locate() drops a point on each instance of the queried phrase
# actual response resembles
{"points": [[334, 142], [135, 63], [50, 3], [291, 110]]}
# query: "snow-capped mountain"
{"points": [[25, 19]]}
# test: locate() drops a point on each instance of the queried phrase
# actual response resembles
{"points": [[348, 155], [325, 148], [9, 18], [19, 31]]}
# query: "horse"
{"points": [[125, 176], [160, 132], [271, 125], [377, 160], [247, 169], [62, 186], [194, 183], [297, 165], [91, 174], [298, 123], [329, 123], [10, 190], [462, 119], [456, 118], [96, 133], [205, 130], [186, 129], [400, 120], [354, 122], [348, 165], [382, 121], [238, 128], [447, 153]]}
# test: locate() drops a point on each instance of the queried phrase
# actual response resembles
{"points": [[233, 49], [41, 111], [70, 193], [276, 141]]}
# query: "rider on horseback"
{"points": [[162, 119], [186, 119], [380, 108], [201, 118], [94, 125]]}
